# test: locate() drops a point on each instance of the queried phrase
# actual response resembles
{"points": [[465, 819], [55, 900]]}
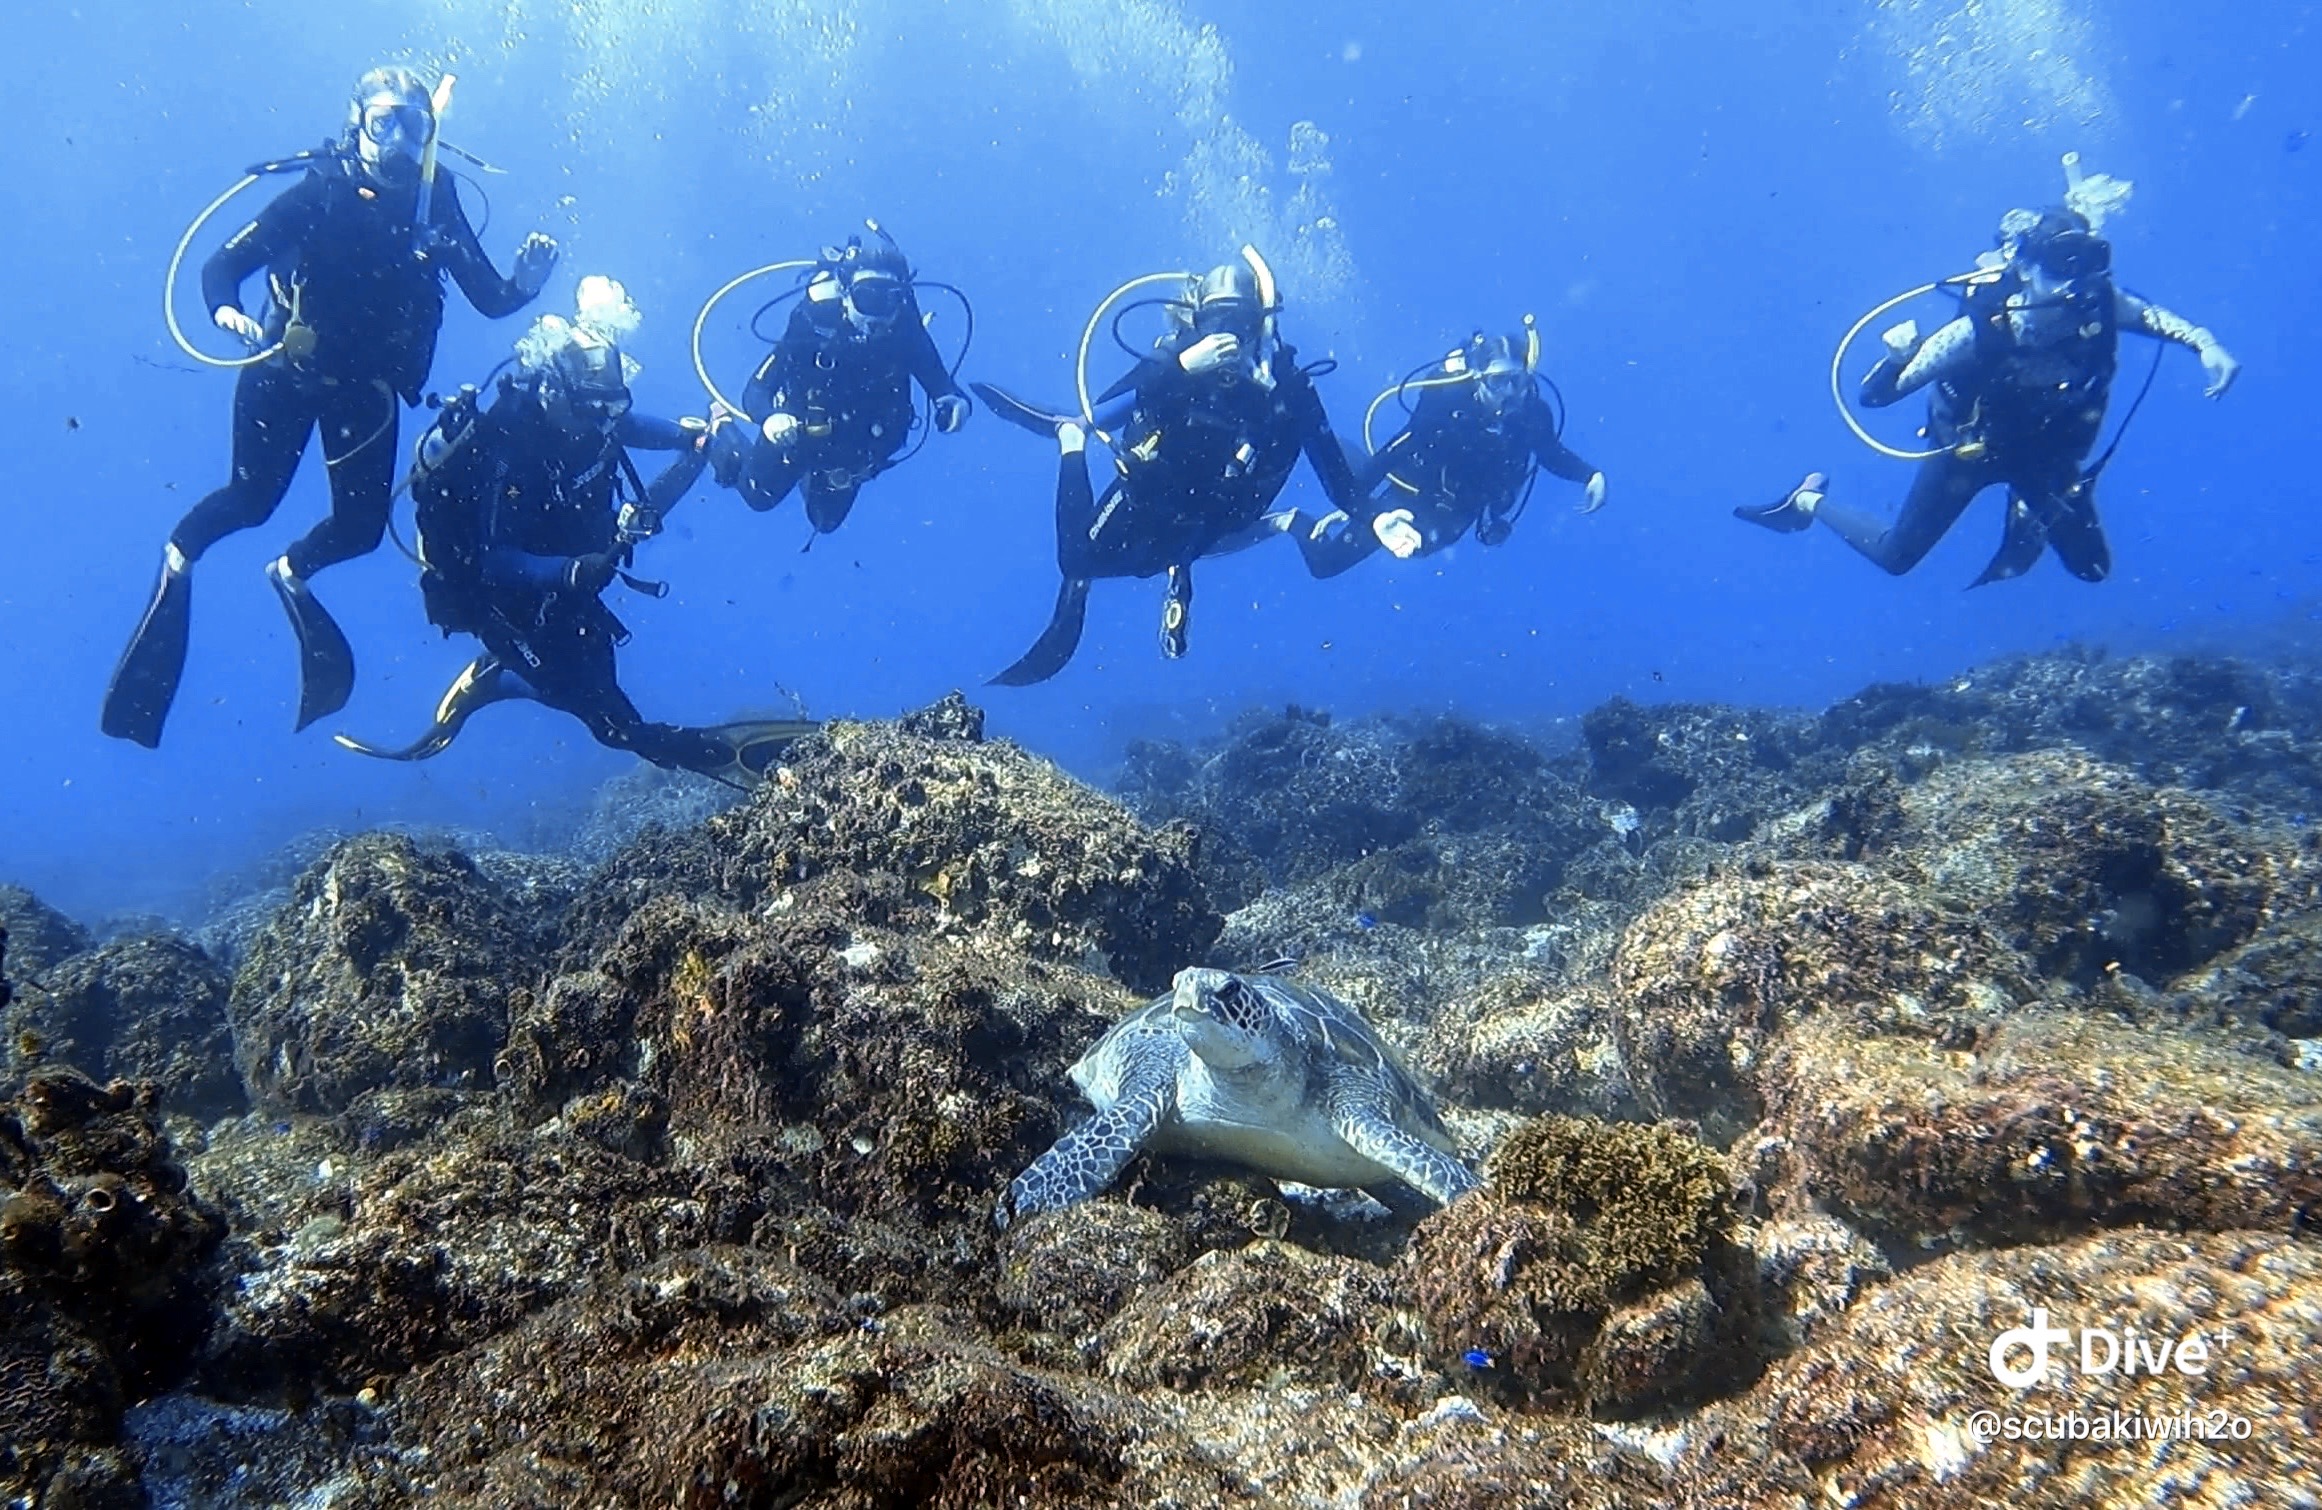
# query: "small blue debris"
{"points": [[2299, 820], [1365, 921], [1476, 1358], [282, 1127]]}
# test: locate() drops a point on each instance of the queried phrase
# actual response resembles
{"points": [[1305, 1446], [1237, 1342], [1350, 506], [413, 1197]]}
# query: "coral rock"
{"points": [[1238, 1316], [990, 845], [151, 1008], [2053, 1124], [1879, 1410], [1069, 1271], [1595, 1267], [391, 966], [1710, 975], [101, 1299]]}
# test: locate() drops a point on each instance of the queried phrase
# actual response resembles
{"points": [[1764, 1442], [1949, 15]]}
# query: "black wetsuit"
{"points": [[2026, 415], [1471, 469], [503, 519], [850, 393], [1201, 459], [338, 246]]}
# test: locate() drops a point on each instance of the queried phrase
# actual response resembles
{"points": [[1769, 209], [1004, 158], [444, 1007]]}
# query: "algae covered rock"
{"points": [[725, 1377], [101, 1297], [1069, 1271], [2052, 1124], [38, 935], [1709, 976], [391, 965], [1522, 1043], [2086, 867], [149, 1008], [979, 841], [904, 1073], [382, 1264], [1887, 1405], [1583, 1270], [1697, 769], [1243, 1316]]}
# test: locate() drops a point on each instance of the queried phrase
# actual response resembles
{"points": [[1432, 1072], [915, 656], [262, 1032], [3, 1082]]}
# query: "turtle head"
{"points": [[1223, 1019]]}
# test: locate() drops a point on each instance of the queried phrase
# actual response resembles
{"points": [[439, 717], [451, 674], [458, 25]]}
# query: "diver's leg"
{"points": [[359, 424], [2073, 529], [273, 414], [1076, 507], [1332, 544], [769, 474], [827, 506], [580, 675], [359, 427], [1940, 493]]}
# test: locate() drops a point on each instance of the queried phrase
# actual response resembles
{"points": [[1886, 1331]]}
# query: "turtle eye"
{"points": [[1234, 1004]]}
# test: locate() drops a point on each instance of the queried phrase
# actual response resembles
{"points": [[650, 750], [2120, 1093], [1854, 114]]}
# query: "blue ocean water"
{"points": [[1695, 199]]}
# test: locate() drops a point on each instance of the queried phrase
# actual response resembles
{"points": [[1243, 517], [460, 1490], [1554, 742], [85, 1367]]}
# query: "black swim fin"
{"points": [[326, 662], [479, 685], [1057, 642], [741, 754], [2020, 546], [1791, 512], [1017, 412], [145, 682]]}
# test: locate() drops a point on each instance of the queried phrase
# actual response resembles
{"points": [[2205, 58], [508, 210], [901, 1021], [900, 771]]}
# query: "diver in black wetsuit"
{"points": [[357, 299], [523, 524], [1208, 430], [2021, 379], [1478, 437], [835, 392]]}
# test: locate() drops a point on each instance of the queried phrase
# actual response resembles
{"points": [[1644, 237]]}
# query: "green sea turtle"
{"points": [[1251, 1069]]}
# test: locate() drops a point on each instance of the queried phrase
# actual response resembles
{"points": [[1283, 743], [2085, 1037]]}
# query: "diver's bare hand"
{"points": [[535, 260], [2221, 368], [1210, 353]]}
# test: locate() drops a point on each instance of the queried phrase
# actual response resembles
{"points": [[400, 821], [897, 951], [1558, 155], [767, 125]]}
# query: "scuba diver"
{"points": [[1476, 442], [355, 255], [831, 403], [1204, 431], [528, 510], [2021, 379]]}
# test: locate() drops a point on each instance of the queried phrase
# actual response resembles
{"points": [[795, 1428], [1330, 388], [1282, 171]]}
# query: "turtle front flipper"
{"points": [[1417, 1163], [1091, 1156]]}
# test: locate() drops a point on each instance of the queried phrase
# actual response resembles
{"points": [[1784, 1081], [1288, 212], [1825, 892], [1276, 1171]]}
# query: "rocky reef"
{"points": [[1811, 1062]]}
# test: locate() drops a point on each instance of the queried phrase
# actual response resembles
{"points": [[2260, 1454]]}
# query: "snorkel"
{"points": [[438, 104]]}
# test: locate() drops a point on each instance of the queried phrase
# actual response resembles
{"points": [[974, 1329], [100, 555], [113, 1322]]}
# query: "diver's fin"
{"points": [[326, 662], [741, 754], [478, 685], [1125, 383], [1057, 642], [145, 682], [1790, 513], [2020, 546], [1024, 416]]}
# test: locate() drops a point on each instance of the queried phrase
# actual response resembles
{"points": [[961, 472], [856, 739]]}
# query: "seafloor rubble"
{"points": [[1804, 1058]]}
